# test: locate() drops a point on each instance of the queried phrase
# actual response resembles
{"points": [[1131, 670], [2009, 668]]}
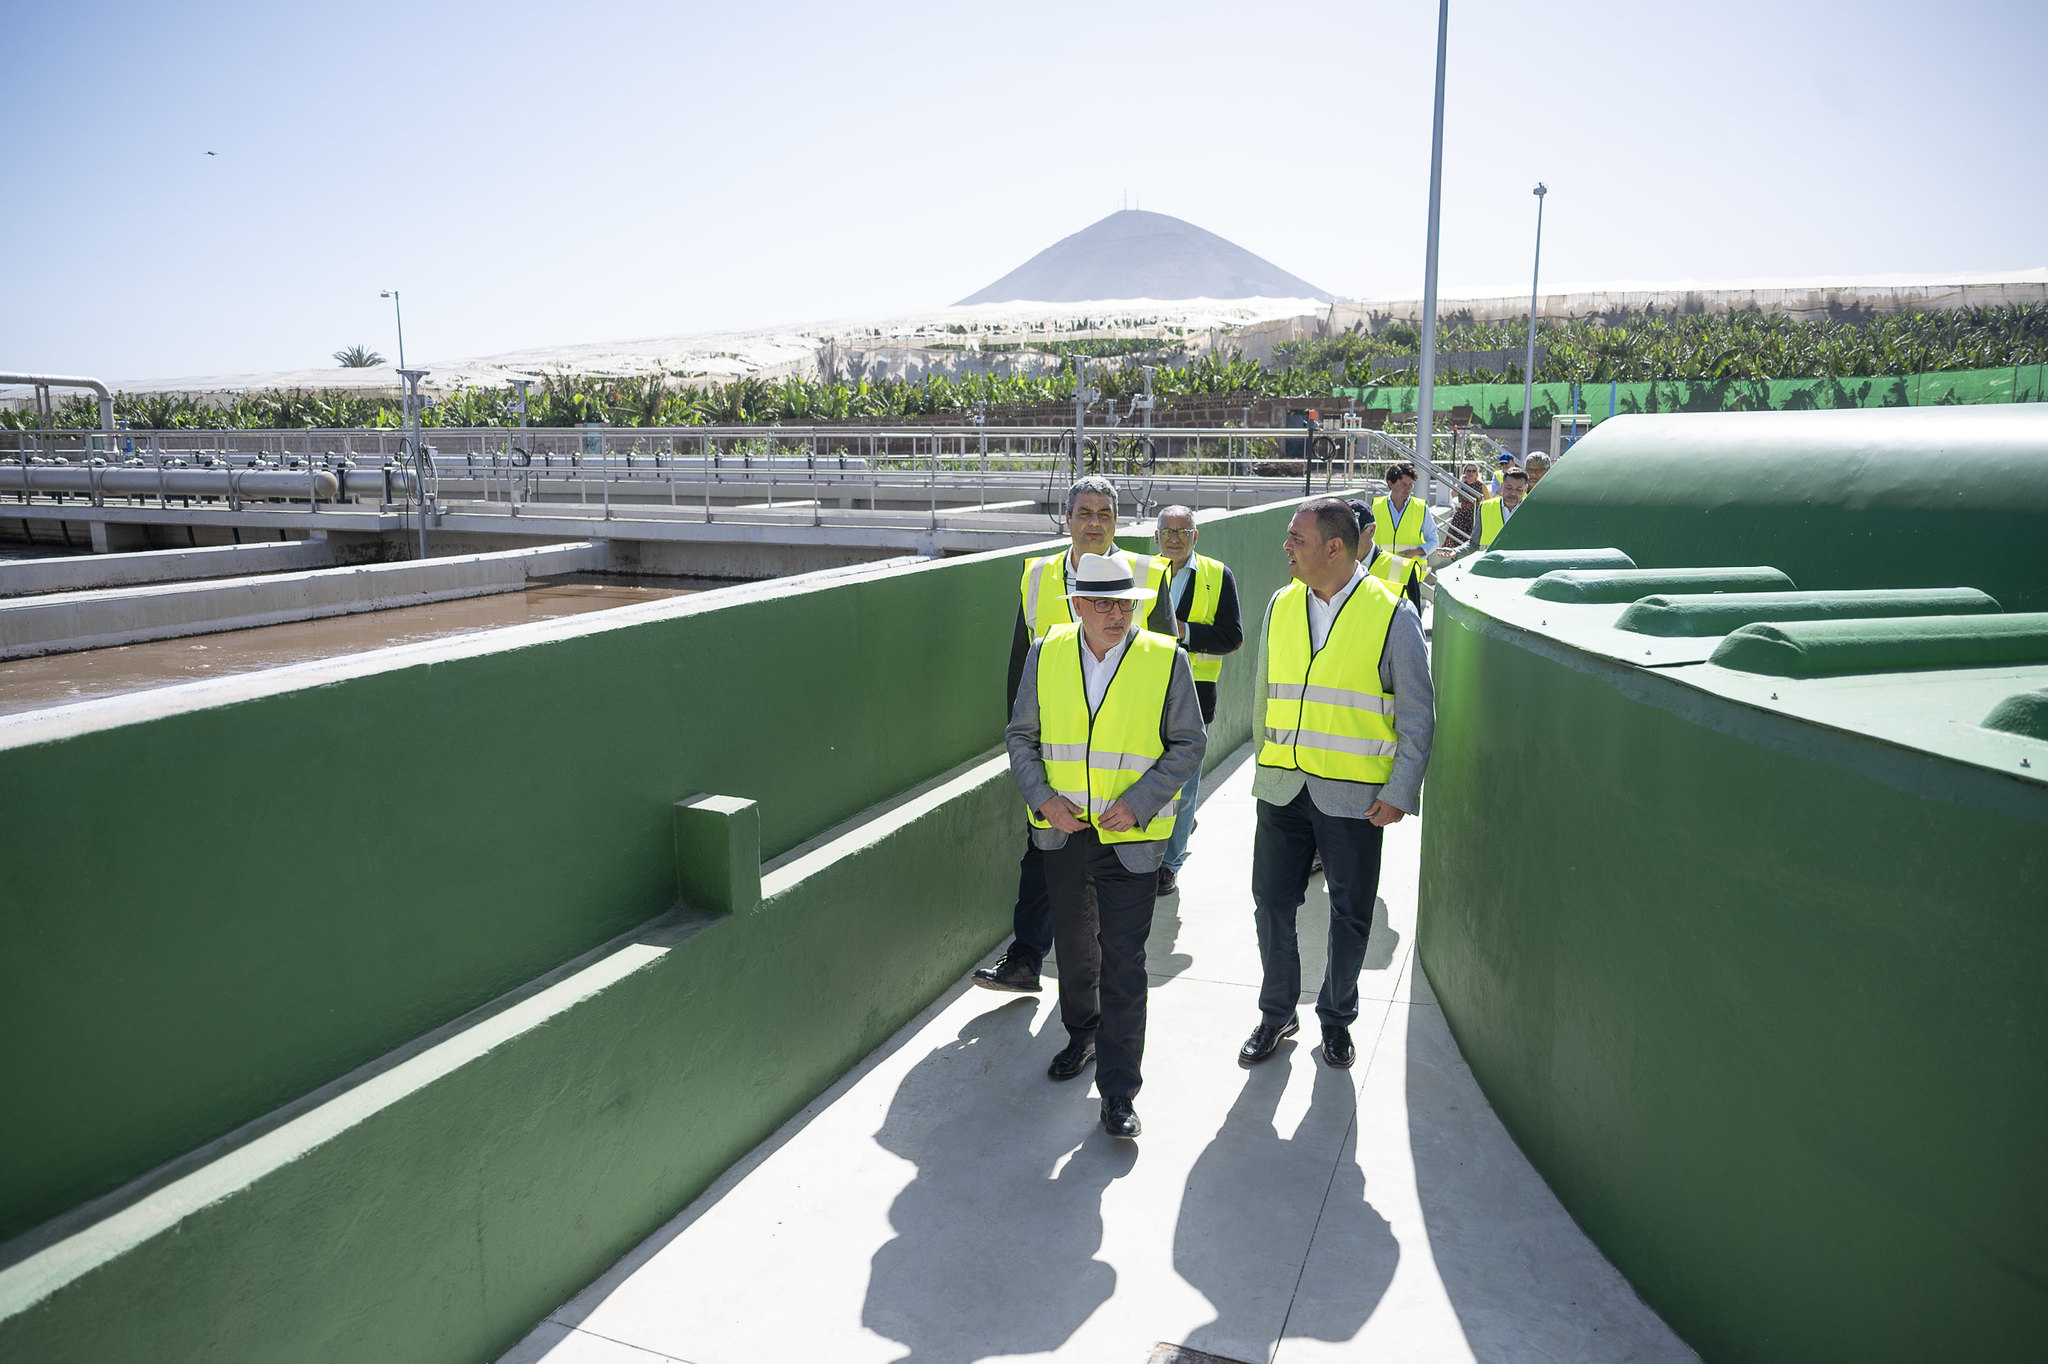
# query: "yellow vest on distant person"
{"points": [[1206, 593], [1491, 516], [1326, 712], [1391, 536], [1094, 759]]}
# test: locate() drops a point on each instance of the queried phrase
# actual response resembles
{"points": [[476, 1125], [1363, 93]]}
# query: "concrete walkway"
{"points": [[948, 1203]]}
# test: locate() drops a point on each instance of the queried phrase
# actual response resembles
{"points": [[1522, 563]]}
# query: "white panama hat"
{"points": [[1101, 576]]}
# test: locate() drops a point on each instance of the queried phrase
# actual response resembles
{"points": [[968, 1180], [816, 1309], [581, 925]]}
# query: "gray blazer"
{"points": [[1404, 672], [1180, 728]]}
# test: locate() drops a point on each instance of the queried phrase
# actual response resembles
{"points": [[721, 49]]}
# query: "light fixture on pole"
{"points": [[1425, 397], [392, 294], [1529, 362]]}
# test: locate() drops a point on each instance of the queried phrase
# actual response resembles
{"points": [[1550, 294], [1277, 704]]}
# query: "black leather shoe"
{"points": [[1072, 1060], [1119, 1119], [1168, 883], [1338, 1052], [1009, 973], [1265, 1040]]}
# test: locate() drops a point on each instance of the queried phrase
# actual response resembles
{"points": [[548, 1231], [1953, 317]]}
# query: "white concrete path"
{"points": [[948, 1203]]}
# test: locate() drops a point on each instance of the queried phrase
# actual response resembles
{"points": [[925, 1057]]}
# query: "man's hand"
{"points": [[1118, 818], [1384, 814], [1062, 815]]}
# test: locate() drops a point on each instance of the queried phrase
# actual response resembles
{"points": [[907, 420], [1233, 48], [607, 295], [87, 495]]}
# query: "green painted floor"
{"points": [[948, 1202]]}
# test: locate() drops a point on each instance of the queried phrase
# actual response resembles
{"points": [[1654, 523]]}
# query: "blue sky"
{"points": [[538, 174]]}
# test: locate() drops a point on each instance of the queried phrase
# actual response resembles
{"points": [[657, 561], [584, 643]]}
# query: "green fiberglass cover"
{"points": [[1922, 497]]}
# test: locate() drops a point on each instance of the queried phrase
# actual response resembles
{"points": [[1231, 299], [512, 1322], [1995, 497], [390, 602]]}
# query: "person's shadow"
{"points": [[996, 1237], [1250, 1211]]}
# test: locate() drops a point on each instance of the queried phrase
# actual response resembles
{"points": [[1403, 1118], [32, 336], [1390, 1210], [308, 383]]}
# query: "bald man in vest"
{"points": [[1105, 731], [1042, 605], [1344, 717]]}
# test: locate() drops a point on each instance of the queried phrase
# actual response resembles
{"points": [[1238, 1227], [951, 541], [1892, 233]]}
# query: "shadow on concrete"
{"points": [[1161, 961], [997, 1235], [1255, 1203]]}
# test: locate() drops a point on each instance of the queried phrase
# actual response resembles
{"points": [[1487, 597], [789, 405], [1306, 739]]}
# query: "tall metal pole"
{"points": [[399, 313], [1425, 399], [1529, 362]]}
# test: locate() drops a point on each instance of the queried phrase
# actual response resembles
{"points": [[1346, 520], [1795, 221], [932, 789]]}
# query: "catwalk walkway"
{"points": [[948, 1203]]}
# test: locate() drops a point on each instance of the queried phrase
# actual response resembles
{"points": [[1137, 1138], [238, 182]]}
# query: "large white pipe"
{"points": [[130, 481], [70, 381]]}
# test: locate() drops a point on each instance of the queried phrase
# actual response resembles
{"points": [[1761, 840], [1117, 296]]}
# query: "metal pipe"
{"points": [[1529, 362], [126, 481], [70, 381], [1425, 398]]}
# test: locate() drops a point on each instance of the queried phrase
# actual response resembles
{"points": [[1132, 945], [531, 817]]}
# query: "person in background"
{"points": [[1495, 511], [1538, 465], [1091, 529], [1344, 720], [1460, 533], [1202, 594], [1105, 731]]}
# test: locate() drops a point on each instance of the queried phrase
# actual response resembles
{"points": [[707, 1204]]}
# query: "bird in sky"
{"points": [[213, 153]]}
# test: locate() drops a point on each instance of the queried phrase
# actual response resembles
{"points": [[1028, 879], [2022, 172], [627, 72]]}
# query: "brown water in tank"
{"points": [[58, 679]]}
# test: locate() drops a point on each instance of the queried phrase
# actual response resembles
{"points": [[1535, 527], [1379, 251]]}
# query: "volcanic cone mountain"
{"points": [[1135, 254]]}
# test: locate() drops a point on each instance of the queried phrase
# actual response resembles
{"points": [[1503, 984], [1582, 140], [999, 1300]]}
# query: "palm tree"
{"points": [[358, 357]]}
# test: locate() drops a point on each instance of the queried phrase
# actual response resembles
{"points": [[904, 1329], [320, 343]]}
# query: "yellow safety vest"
{"points": [[1326, 713], [1392, 567], [1407, 534], [1044, 590], [1491, 517], [1207, 592], [1093, 759]]}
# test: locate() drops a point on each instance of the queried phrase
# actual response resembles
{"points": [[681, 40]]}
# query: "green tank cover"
{"points": [[1685, 615], [1534, 563], [1626, 585], [1829, 648], [2023, 713]]}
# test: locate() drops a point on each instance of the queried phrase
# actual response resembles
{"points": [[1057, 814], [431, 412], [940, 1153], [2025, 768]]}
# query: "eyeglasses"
{"points": [[1175, 532], [1106, 606]]}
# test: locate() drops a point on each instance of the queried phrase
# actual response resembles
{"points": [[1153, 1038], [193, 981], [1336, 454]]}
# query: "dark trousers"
{"points": [[1101, 916], [1031, 920], [1288, 838]]}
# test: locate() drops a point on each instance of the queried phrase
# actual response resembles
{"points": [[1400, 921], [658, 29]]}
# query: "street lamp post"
{"points": [[1529, 362], [422, 463], [392, 294], [1425, 397]]}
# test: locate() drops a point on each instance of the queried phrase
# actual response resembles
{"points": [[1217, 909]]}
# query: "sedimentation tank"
{"points": [[1735, 868]]}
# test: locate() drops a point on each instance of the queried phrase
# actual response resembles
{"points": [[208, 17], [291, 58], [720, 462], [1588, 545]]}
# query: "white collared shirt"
{"points": [[1323, 614], [1096, 672]]}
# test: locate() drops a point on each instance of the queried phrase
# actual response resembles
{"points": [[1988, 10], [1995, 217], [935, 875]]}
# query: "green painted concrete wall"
{"points": [[445, 1225], [209, 914], [1928, 497], [1764, 1004]]}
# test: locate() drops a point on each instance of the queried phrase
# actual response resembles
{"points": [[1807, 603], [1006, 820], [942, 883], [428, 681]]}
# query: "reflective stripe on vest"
{"points": [[1492, 516], [1405, 535], [1325, 711], [1043, 592], [1207, 593], [1396, 569], [1093, 759]]}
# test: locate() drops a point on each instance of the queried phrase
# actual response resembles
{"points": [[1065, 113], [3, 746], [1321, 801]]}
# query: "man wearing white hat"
{"points": [[1043, 604], [1105, 731]]}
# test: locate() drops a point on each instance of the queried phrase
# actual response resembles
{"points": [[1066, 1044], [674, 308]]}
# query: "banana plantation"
{"points": [[1739, 348]]}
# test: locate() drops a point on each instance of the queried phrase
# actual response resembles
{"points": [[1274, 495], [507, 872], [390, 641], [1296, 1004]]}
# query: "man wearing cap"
{"points": [[1344, 721], [1202, 595], [1091, 529], [1104, 733]]}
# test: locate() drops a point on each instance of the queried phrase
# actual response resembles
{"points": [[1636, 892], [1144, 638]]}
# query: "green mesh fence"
{"points": [[1500, 405]]}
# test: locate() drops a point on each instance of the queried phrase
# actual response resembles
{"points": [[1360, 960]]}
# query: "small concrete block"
{"points": [[718, 853]]}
